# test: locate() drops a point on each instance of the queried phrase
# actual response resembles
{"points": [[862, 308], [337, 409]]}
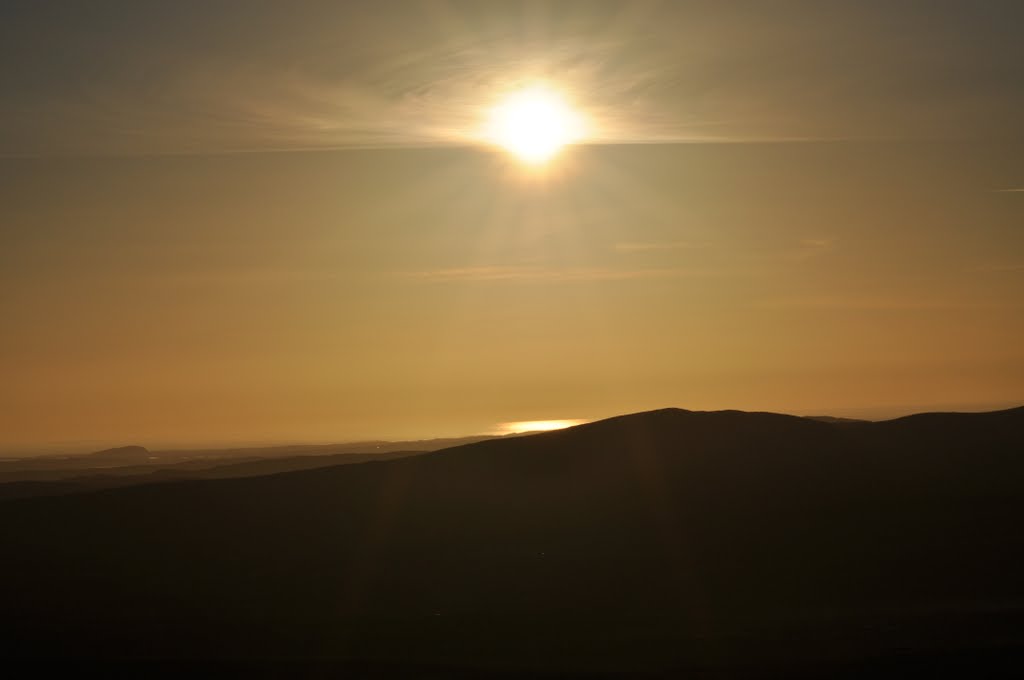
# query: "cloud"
{"points": [[545, 274], [639, 247], [1009, 191], [800, 249], [812, 247], [879, 303], [716, 260], [208, 78], [997, 268]]}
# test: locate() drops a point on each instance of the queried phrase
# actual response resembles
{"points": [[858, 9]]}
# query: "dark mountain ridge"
{"points": [[657, 541], [133, 459], [64, 482]]}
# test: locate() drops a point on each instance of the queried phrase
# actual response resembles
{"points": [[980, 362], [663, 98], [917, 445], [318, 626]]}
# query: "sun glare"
{"points": [[534, 124], [521, 426]]}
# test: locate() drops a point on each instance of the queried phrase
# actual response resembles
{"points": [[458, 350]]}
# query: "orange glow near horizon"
{"points": [[335, 222], [521, 426]]}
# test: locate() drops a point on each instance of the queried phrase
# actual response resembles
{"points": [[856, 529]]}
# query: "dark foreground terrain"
{"points": [[669, 543]]}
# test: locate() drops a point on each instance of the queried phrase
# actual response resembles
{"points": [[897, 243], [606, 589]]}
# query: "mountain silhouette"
{"points": [[125, 453], [135, 460], [62, 481], [652, 542]]}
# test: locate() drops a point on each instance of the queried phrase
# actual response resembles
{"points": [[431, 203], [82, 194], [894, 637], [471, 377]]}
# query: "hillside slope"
{"points": [[661, 540]]}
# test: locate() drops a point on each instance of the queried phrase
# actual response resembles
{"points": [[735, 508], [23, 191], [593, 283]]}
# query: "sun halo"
{"points": [[534, 124]]}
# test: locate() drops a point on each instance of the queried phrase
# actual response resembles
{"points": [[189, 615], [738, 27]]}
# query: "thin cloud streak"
{"points": [[542, 274], [639, 247], [879, 304], [342, 76], [996, 268], [802, 249]]}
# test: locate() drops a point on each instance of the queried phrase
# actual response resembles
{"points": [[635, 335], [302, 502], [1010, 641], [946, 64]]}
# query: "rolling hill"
{"points": [[726, 542]]}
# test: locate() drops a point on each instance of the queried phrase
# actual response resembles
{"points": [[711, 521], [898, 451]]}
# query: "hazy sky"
{"points": [[271, 221]]}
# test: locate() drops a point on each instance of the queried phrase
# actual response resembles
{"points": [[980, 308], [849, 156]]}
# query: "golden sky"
{"points": [[225, 222]]}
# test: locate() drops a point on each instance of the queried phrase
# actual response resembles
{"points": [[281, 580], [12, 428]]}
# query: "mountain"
{"points": [[114, 457], [137, 460], [119, 455], [30, 484], [834, 419], [715, 542]]}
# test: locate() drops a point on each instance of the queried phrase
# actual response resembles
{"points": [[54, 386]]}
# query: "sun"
{"points": [[534, 124]]}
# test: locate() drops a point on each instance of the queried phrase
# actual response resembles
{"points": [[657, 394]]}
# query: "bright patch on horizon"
{"points": [[534, 124], [538, 425]]}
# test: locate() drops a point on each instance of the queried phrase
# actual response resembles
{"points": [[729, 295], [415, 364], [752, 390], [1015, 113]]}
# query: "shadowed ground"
{"points": [[734, 544]]}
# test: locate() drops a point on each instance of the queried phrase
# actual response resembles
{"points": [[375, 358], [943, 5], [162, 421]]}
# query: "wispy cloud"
{"points": [[996, 268], [542, 274], [879, 303], [1009, 191], [647, 246], [784, 250], [341, 75], [813, 247]]}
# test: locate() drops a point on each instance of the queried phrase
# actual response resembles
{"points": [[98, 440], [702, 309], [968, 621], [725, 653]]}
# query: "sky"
{"points": [[254, 221]]}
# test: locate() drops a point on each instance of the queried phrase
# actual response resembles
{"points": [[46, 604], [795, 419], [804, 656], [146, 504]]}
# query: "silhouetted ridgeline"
{"points": [[662, 541], [138, 459], [63, 481]]}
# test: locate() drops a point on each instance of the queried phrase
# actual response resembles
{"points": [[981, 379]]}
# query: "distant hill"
{"points": [[80, 480], [137, 460], [709, 542], [121, 454], [116, 457], [834, 419]]}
